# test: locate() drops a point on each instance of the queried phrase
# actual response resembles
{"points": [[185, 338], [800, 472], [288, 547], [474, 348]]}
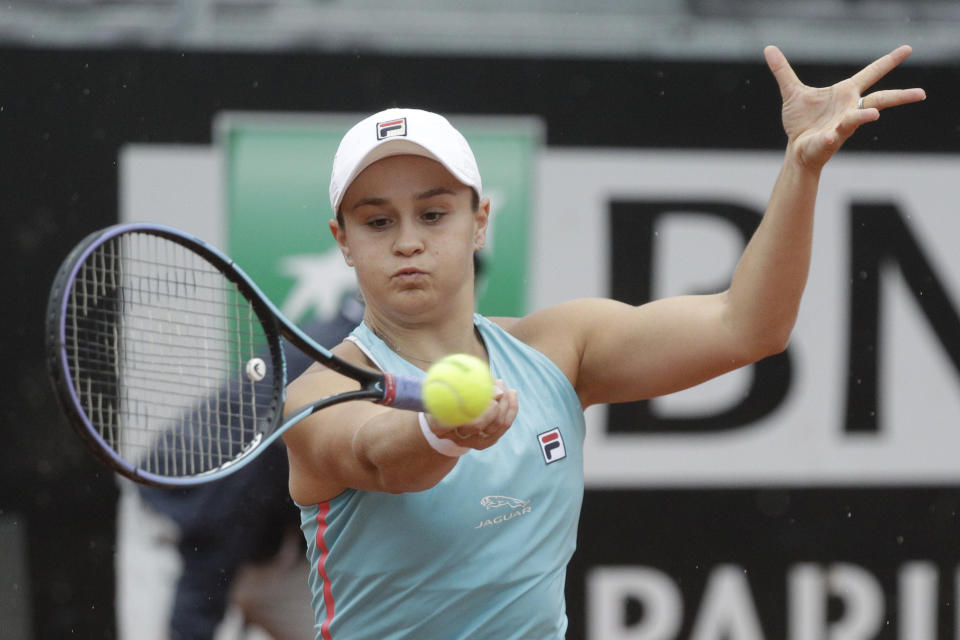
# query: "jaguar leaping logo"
{"points": [[515, 509], [495, 502]]}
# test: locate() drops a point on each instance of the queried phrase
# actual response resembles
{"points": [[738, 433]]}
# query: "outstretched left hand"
{"points": [[818, 121]]}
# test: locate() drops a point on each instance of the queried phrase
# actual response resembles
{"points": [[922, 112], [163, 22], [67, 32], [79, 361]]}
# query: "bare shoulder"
{"points": [[563, 321], [559, 331]]}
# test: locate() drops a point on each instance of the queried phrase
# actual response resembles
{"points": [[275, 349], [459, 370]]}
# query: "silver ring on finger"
{"points": [[860, 103], [460, 435]]}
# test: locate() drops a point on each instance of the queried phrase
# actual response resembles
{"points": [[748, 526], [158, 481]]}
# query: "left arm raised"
{"points": [[613, 352]]}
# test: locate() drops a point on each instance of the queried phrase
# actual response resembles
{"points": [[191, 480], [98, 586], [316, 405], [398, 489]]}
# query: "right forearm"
{"points": [[393, 448]]}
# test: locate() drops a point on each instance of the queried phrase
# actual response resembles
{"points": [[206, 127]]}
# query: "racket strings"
{"points": [[157, 342], [94, 353], [133, 292]]}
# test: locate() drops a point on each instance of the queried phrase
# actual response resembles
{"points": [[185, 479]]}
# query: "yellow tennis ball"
{"points": [[457, 389]]}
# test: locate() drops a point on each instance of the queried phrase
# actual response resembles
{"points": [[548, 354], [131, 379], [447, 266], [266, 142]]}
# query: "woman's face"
{"points": [[410, 232]]}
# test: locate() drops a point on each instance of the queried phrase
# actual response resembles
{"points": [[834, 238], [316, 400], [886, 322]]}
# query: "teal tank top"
{"points": [[481, 555]]}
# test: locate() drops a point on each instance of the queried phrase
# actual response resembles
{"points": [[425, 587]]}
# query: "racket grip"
{"points": [[402, 392]]}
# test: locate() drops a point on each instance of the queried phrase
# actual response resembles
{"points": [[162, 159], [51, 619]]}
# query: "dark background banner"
{"points": [[65, 114]]}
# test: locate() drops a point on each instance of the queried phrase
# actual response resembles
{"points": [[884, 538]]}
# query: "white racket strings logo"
{"points": [[514, 507], [256, 369]]}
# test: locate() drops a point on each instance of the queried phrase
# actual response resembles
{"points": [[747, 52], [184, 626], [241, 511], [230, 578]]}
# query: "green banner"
{"points": [[277, 169]]}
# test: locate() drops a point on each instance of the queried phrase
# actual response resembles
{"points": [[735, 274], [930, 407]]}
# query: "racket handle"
{"points": [[402, 392]]}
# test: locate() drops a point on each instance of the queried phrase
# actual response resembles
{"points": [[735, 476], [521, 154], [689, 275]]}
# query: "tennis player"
{"points": [[419, 531]]}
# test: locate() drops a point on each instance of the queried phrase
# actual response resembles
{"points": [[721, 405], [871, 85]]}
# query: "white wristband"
{"points": [[442, 445]]}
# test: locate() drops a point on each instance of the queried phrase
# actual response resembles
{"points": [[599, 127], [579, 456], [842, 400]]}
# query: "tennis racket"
{"points": [[167, 358]]}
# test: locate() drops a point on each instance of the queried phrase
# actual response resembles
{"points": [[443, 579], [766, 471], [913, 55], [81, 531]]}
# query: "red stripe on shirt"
{"points": [[548, 438], [323, 510]]}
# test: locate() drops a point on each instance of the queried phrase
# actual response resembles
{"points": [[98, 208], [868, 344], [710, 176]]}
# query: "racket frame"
{"points": [[402, 392]]}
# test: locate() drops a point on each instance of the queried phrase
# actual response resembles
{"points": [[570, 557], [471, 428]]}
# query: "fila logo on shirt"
{"points": [[551, 446], [392, 128]]}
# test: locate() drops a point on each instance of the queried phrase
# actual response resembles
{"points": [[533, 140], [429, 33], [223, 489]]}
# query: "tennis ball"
{"points": [[457, 389]]}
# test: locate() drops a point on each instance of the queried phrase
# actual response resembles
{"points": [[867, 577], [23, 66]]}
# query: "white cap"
{"points": [[400, 132]]}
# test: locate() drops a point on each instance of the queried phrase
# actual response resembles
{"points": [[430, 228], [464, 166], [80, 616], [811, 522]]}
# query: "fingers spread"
{"points": [[852, 119], [893, 98], [781, 69], [869, 75]]}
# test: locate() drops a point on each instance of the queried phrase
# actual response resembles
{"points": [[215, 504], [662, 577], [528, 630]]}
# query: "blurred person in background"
{"points": [[223, 560]]}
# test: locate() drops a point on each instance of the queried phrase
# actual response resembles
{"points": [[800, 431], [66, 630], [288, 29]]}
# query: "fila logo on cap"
{"points": [[392, 128], [551, 446]]}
